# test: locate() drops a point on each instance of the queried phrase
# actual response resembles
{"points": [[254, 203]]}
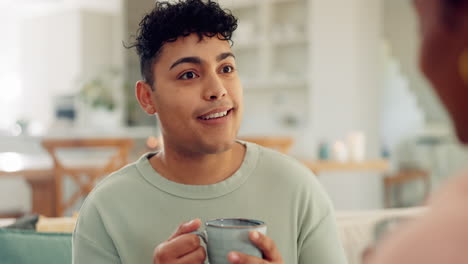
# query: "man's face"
{"points": [[198, 95]]}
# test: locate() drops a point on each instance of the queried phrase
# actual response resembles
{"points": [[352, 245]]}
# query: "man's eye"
{"points": [[227, 69], [188, 75]]}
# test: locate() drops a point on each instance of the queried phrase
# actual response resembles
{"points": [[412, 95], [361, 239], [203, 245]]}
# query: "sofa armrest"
{"points": [[28, 246]]}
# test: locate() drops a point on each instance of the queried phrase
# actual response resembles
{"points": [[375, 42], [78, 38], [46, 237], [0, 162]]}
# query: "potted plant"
{"points": [[98, 97]]}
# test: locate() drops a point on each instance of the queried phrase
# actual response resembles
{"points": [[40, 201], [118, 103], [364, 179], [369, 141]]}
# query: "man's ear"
{"points": [[143, 93]]}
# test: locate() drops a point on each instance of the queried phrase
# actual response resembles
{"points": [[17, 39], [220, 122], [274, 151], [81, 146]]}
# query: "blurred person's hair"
{"points": [[169, 21], [450, 9], [454, 3]]}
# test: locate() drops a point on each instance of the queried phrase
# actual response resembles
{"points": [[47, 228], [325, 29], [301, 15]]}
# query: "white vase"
{"points": [[339, 151]]}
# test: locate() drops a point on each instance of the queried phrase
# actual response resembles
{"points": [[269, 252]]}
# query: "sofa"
{"points": [[357, 229], [51, 242]]}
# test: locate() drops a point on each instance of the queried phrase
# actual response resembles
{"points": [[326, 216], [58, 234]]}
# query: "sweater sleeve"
{"points": [[322, 244], [91, 241], [88, 251], [318, 239]]}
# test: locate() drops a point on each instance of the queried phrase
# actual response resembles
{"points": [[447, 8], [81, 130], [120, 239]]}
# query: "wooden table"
{"points": [[38, 172], [321, 166], [42, 188]]}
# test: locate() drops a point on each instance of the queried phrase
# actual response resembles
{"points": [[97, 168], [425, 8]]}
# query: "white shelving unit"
{"points": [[271, 43], [273, 47], [274, 84]]}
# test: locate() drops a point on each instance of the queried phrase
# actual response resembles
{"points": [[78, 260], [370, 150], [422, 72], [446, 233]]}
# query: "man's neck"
{"points": [[198, 169]]}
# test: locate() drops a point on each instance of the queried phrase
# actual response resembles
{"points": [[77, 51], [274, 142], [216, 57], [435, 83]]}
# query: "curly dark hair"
{"points": [[169, 21]]}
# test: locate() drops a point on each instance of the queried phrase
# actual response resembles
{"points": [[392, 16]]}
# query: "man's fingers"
{"points": [[187, 227], [240, 258], [197, 256], [178, 247], [266, 245], [179, 244]]}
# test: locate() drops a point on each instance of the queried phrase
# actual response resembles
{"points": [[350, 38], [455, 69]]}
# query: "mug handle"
{"points": [[202, 234]]}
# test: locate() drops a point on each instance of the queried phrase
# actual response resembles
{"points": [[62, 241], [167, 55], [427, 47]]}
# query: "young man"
{"points": [[192, 85]]}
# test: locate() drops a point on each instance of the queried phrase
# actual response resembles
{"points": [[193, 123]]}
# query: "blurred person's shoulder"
{"points": [[453, 195], [437, 236]]}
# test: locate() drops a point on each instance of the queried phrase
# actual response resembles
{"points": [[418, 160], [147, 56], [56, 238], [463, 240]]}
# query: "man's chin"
{"points": [[218, 147]]}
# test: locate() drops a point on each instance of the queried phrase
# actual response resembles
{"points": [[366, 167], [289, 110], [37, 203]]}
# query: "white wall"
{"points": [[50, 61], [10, 86], [347, 68], [61, 49], [101, 41], [401, 30]]}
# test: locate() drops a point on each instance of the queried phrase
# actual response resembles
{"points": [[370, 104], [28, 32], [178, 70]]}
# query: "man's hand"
{"points": [[265, 244], [182, 247]]}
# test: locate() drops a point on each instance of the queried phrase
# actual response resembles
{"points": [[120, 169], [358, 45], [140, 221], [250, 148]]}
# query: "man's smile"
{"points": [[216, 116]]}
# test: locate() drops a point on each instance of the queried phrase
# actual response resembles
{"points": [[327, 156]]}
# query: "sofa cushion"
{"points": [[27, 246]]}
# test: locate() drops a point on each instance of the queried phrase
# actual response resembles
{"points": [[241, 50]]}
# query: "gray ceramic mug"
{"points": [[222, 236]]}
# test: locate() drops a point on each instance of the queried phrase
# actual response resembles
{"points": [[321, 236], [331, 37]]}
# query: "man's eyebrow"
{"points": [[194, 60], [197, 60], [224, 55]]}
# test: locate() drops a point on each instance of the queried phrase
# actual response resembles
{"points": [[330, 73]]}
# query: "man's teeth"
{"points": [[215, 115]]}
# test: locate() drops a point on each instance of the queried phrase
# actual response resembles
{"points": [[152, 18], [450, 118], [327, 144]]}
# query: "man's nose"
{"points": [[215, 89]]}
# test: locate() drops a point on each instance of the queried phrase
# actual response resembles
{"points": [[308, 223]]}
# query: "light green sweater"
{"points": [[133, 210]]}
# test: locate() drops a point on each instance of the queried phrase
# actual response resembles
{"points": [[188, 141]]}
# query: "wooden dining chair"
{"points": [[84, 176], [400, 178], [281, 144]]}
